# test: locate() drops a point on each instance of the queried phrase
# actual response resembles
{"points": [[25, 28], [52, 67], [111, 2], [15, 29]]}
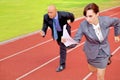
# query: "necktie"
{"points": [[54, 30], [57, 25]]}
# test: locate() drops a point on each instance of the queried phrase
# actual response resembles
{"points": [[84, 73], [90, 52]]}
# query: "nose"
{"points": [[87, 18]]}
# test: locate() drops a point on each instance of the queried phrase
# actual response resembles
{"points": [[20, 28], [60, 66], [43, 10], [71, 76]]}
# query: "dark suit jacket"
{"points": [[63, 17], [92, 44]]}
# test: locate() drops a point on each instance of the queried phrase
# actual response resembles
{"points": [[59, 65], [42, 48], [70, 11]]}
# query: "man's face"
{"points": [[52, 13], [91, 17]]}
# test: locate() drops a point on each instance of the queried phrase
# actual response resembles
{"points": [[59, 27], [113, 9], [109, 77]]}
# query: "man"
{"points": [[56, 20]]}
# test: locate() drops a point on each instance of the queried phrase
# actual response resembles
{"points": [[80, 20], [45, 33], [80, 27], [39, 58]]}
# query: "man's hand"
{"points": [[68, 21], [42, 33], [63, 40], [117, 38]]}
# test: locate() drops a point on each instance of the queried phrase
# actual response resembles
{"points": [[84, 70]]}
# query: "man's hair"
{"points": [[91, 6]]}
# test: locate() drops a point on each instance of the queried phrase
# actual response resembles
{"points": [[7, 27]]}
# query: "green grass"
{"points": [[20, 17]]}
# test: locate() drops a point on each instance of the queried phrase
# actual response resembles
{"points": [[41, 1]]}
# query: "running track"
{"points": [[35, 58]]}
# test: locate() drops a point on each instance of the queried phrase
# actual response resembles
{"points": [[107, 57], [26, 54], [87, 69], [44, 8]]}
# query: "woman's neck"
{"points": [[96, 21]]}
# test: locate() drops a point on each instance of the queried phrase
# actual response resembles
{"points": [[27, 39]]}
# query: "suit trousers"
{"points": [[62, 52]]}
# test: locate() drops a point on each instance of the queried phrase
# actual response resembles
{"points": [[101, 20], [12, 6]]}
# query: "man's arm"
{"points": [[69, 16], [45, 26]]}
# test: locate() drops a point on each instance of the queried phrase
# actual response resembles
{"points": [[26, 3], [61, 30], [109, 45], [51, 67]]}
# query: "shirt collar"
{"points": [[56, 17], [95, 26]]}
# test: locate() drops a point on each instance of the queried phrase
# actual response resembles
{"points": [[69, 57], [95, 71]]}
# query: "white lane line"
{"points": [[24, 50], [29, 48], [115, 50], [30, 34], [36, 45], [46, 63], [18, 38], [89, 74]]}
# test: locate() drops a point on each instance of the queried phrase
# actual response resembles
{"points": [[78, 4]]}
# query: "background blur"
{"points": [[20, 17]]}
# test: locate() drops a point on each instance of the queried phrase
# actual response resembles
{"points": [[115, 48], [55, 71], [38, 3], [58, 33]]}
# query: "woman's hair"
{"points": [[91, 6]]}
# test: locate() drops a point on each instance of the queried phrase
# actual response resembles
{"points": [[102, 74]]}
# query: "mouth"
{"points": [[51, 17], [89, 22]]}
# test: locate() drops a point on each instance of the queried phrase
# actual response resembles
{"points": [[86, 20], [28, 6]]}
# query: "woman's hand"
{"points": [[117, 39]]}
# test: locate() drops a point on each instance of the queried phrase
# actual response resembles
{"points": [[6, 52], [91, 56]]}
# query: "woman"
{"points": [[95, 29]]}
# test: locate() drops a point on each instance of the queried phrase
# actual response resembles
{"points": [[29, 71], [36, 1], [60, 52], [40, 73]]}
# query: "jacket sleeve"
{"points": [[79, 34], [115, 22], [69, 16], [45, 25]]}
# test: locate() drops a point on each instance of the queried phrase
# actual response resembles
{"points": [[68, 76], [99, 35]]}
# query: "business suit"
{"points": [[92, 45], [62, 17]]}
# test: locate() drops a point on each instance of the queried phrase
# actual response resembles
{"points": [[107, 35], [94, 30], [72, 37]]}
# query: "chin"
{"points": [[51, 17], [90, 22]]}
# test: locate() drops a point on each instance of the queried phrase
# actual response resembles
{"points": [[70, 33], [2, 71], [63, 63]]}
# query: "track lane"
{"points": [[76, 68]]}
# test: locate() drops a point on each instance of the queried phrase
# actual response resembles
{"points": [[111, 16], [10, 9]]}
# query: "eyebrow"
{"points": [[89, 15]]}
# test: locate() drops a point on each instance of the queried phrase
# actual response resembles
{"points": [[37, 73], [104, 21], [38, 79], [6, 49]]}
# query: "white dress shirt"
{"points": [[98, 32]]}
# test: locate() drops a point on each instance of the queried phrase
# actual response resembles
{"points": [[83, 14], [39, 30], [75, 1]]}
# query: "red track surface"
{"points": [[36, 58]]}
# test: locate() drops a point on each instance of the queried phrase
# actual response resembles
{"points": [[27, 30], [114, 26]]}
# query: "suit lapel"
{"points": [[101, 23], [59, 18], [92, 32], [102, 26]]}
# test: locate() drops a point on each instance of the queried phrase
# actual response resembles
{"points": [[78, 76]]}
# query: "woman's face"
{"points": [[91, 16]]}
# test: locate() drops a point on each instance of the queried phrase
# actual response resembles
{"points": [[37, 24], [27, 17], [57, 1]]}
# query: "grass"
{"points": [[20, 17]]}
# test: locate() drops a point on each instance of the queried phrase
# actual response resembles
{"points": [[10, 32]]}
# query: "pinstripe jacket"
{"points": [[92, 44]]}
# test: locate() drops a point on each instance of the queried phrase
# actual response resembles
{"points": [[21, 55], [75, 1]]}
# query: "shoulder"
{"points": [[104, 17], [84, 23], [64, 13], [108, 19], [46, 16]]}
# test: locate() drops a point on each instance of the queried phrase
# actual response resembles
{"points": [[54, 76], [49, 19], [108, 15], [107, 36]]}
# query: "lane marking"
{"points": [[46, 63], [89, 74], [29, 48], [115, 50], [24, 50]]}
